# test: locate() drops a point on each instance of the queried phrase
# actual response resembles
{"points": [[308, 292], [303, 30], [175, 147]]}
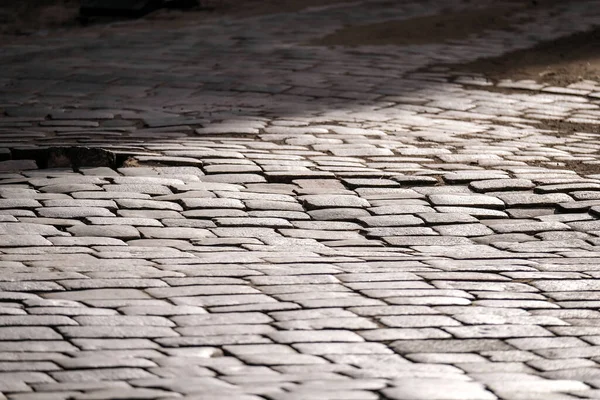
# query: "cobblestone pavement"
{"points": [[273, 220]]}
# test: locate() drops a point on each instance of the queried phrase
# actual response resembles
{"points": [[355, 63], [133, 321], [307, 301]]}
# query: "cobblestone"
{"points": [[295, 221]]}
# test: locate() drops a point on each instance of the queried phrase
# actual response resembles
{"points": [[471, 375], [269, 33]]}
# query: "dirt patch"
{"points": [[578, 167], [438, 28], [566, 128], [557, 62]]}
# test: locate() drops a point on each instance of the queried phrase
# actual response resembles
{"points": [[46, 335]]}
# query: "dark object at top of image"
{"points": [[130, 8]]}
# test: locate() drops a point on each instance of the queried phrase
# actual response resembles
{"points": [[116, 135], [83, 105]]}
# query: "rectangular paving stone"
{"points": [[8, 333], [399, 210], [447, 218], [333, 201], [123, 320], [118, 331], [23, 241], [173, 233], [106, 374], [218, 330], [466, 200], [426, 240], [223, 300], [498, 331], [98, 294], [102, 345], [450, 345], [530, 199], [218, 340], [438, 389], [29, 229], [114, 231], [306, 336], [566, 285], [74, 212], [465, 230], [32, 320], [494, 185], [124, 221], [245, 232], [193, 290], [320, 235], [473, 211], [342, 348], [399, 231], [418, 321]]}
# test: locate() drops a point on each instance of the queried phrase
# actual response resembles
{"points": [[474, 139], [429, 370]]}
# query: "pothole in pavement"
{"points": [[74, 157]]}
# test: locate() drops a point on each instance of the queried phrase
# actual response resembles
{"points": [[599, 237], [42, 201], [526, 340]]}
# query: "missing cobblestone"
{"points": [[70, 157]]}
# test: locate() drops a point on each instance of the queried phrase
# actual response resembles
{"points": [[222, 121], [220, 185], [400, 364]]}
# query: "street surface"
{"points": [[269, 219]]}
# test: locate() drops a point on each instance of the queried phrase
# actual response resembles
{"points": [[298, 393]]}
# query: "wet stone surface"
{"points": [[265, 219]]}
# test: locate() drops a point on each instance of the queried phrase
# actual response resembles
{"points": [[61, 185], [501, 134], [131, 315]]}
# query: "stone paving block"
{"points": [[418, 321], [29, 320], [338, 214], [538, 386], [489, 287], [465, 230], [388, 221], [105, 344], [86, 241], [8, 333], [181, 291], [133, 393], [19, 203], [29, 229], [98, 294], [342, 348], [327, 225], [106, 374], [530, 199], [333, 201], [173, 233], [496, 185], [399, 231], [109, 195], [400, 209], [148, 204], [426, 240], [443, 358], [473, 200], [307, 336], [476, 212], [217, 330], [106, 331], [328, 323], [528, 227], [149, 214], [124, 232], [74, 212], [498, 331], [417, 389], [23, 240], [223, 300], [151, 189]]}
